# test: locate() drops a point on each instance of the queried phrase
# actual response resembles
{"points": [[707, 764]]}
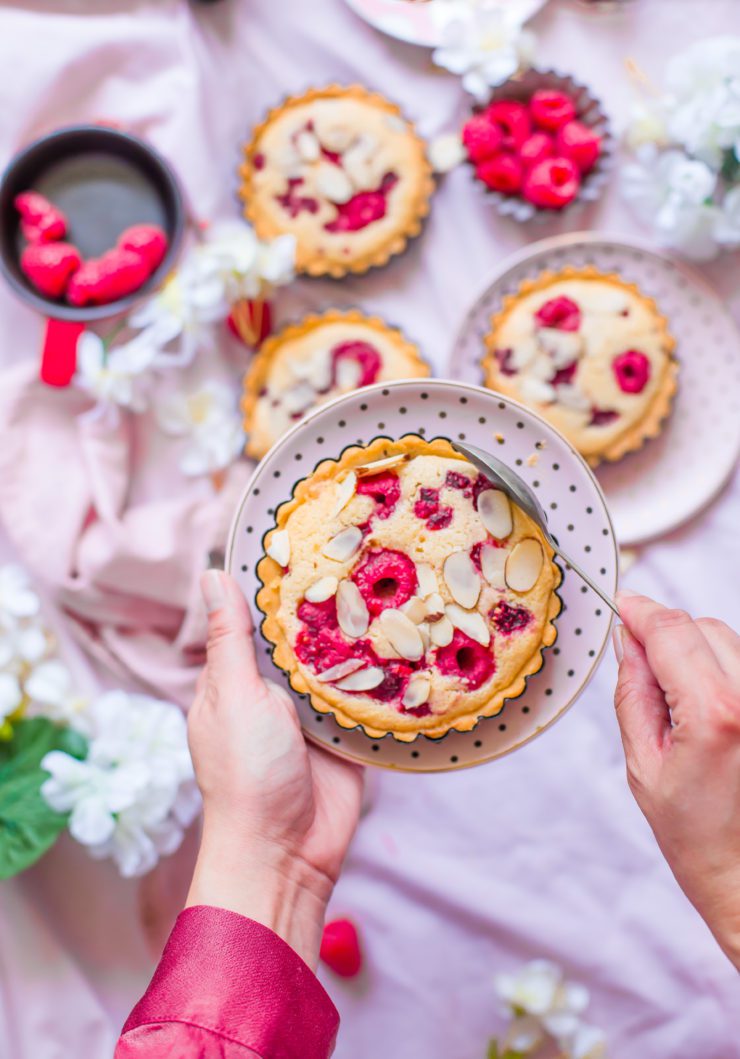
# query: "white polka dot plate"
{"points": [[566, 487], [673, 477], [422, 21]]}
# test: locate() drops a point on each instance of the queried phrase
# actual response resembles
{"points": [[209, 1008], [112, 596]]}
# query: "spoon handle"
{"points": [[585, 577]]}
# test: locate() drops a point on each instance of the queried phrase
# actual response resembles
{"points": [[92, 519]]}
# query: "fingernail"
{"points": [[618, 641], [212, 587]]}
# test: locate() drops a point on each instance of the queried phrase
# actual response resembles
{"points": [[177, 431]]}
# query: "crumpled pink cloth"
{"points": [[121, 559]]}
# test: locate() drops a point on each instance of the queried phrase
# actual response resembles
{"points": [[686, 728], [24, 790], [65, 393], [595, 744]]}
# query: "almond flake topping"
{"points": [[308, 146], [470, 622], [344, 545], [362, 680], [402, 634], [279, 547], [462, 579], [415, 609], [341, 669], [441, 632], [345, 492], [321, 590], [333, 183], [427, 580], [417, 691], [352, 613], [495, 513], [380, 465], [524, 565], [492, 562]]}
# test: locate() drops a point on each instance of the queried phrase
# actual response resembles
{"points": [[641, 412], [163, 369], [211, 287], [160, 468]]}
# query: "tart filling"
{"points": [[344, 172], [309, 363], [404, 593], [591, 354]]}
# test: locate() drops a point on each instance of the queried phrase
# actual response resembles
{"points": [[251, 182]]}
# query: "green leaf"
{"points": [[28, 826], [730, 170]]}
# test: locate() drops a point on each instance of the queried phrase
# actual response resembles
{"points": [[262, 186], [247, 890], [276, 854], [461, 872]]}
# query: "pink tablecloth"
{"points": [[452, 878]]}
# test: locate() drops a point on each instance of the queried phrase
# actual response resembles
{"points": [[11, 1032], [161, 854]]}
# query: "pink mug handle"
{"points": [[59, 352]]}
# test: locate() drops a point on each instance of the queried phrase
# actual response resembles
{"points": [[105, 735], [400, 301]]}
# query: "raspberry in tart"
{"points": [[308, 363], [590, 353], [391, 622], [341, 170]]}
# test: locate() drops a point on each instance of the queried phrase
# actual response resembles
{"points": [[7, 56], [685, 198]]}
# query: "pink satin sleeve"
{"points": [[229, 988]]}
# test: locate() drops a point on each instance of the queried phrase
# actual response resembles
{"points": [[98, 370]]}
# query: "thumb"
{"points": [[230, 644], [642, 713]]}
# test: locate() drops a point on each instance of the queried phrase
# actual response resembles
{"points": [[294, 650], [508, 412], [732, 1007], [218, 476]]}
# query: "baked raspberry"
{"points": [[579, 143], [455, 480], [385, 578], [564, 376], [536, 148], [364, 208], [503, 173], [552, 184], [147, 240], [475, 551], [503, 358], [394, 682], [364, 355], [551, 109], [318, 615], [513, 120], [258, 161], [384, 488], [481, 138], [601, 417], [295, 203], [561, 313], [323, 649], [508, 619], [427, 504], [632, 370], [49, 266], [463, 657], [479, 486], [440, 519]]}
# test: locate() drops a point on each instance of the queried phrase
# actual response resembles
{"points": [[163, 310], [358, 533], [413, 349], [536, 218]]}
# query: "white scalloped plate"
{"points": [[421, 22], [673, 477], [566, 487]]}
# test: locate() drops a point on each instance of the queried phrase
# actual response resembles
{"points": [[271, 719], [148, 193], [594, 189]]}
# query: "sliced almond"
{"points": [[571, 397], [333, 183], [417, 691], [316, 369], [523, 353], [344, 545], [321, 590], [435, 607], [541, 367], [427, 580], [345, 492], [492, 563], [461, 577], [402, 634], [335, 137], [495, 513], [536, 390], [299, 397], [362, 680], [425, 633], [359, 170], [340, 670], [524, 565], [563, 346], [307, 145], [441, 632], [349, 374], [380, 465], [279, 547], [415, 609], [352, 613], [470, 622]]}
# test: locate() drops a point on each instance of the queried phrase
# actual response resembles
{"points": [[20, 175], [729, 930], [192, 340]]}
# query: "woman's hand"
{"points": [[678, 705], [278, 814]]}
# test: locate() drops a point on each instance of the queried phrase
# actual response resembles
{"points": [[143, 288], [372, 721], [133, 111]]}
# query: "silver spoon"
{"points": [[518, 491]]}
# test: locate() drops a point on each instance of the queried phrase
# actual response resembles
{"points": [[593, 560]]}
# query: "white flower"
{"points": [[586, 1042], [533, 990], [704, 101], [446, 151], [210, 420], [485, 45], [673, 193], [247, 267], [17, 598], [523, 1035], [51, 690], [21, 644], [727, 225], [115, 376], [134, 794], [647, 125], [11, 694]]}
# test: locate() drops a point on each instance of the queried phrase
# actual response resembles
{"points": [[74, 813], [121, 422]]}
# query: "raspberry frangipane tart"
{"points": [[341, 170], [591, 354], [403, 593], [310, 362]]}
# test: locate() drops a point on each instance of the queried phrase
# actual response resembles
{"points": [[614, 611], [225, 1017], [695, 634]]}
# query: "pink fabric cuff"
{"points": [[227, 974]]}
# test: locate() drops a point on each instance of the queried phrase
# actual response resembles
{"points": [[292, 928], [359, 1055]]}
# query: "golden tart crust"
{"points": [[322, 149], [296, 369], [575, 376], [463, 687]]}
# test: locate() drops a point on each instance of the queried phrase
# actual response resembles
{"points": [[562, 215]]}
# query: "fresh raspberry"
{"points": [[561, 313], [503, 359], [440, 519], [632, 370], [250, 320], [513, 119], [503, 173], [552, 184], [41, 220], [147, 240], [295, 203], [427, 504], [551, 109], [536, 148], [340, 948], [385, 578], [482, 139], [384, 488], [564, 376], [102, 280], [364, 355], [317, 616], [32, 206], [49, 266], [508, 619], [579, 143], [466, 659], [601, 417]]}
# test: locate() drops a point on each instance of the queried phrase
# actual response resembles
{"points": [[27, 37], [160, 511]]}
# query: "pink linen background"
{"points": [[452, 878]]}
